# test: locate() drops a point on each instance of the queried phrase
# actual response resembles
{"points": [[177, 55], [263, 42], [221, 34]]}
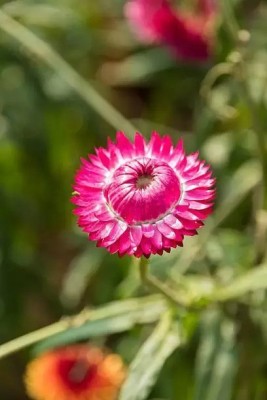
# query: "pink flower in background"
{"points": [[142, 198], [188, 35]]}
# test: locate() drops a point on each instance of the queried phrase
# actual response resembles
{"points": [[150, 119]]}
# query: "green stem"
{"points": [[230, 19], [75, 321], [52, 59], [240, 75], [234, 30], [219, 70], [153, 283], [33, 337], [259, 133]]}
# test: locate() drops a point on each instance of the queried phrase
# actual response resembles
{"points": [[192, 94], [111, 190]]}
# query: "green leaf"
{"points": [[216, 359], [243, 181], [82, 269], [116, 317], [148, 362], [253, 280]]}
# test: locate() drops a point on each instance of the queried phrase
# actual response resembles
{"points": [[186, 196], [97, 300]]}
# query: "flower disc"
{"points": [[142, 199], [142, 190]]}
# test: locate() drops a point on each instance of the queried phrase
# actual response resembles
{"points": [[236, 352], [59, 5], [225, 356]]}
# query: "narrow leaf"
{"points": [[148, 362], [81, 271], [216, 359], [113, 318], [253, 280]]}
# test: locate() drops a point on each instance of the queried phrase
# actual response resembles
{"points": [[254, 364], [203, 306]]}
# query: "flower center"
{"points": [[143, 181], [142, 190], [76, 374]]}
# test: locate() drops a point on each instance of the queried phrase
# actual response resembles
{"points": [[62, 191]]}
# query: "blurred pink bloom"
{"points": [[188, 35], [142, 198]]}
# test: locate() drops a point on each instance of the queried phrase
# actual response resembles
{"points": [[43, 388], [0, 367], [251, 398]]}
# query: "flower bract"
{"points": [[142, 198], [76, 372]]}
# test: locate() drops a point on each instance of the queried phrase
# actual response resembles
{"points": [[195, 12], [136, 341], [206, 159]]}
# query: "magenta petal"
{"points": [[140, 144], [136, 234], [186, 215], [139, 252], [195, 205], [124, 242], [173, 222], [115, 234], [104, 215], [155, 144], [114, 248], [103, 156], [124, 145], [165, 230], [95, 226], [95, 235], [166, 148], [157, 239], [148, 230], [189, 224], [200, 194], [105, 231], [146, 246]]}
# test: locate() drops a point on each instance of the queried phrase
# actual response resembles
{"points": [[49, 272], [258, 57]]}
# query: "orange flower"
{"points": [[77, 372]]}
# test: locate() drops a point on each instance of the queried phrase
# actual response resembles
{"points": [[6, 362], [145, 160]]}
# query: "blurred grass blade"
{"points": [[242, 182], [113, 318], [216, 359], [82, 269], [50, 57], [253, 280], [206, 352], [148, 362]]}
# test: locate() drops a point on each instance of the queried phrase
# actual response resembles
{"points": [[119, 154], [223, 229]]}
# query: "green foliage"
{"points": [[148, 362], [216, 358]]}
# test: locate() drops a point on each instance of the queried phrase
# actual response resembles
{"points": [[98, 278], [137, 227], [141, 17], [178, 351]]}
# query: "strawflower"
{"points": [[77, 372], [189, 35], [142, 198]]}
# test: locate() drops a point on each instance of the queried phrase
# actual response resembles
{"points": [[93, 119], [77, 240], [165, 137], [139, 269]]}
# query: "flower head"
{"points": [[76, 372], [142, 198], [188, 35]]}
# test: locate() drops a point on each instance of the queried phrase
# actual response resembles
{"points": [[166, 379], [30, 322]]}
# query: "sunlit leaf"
{"points": [[116, 317], [253, 280], [148, 362], [81, 271], [216, 359]]}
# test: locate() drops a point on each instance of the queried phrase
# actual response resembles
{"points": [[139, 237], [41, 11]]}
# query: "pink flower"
{"points": [[142, 198], [189, 36]]}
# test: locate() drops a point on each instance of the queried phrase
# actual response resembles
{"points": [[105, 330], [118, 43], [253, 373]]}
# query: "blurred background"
{"points": [[47, 266]]}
